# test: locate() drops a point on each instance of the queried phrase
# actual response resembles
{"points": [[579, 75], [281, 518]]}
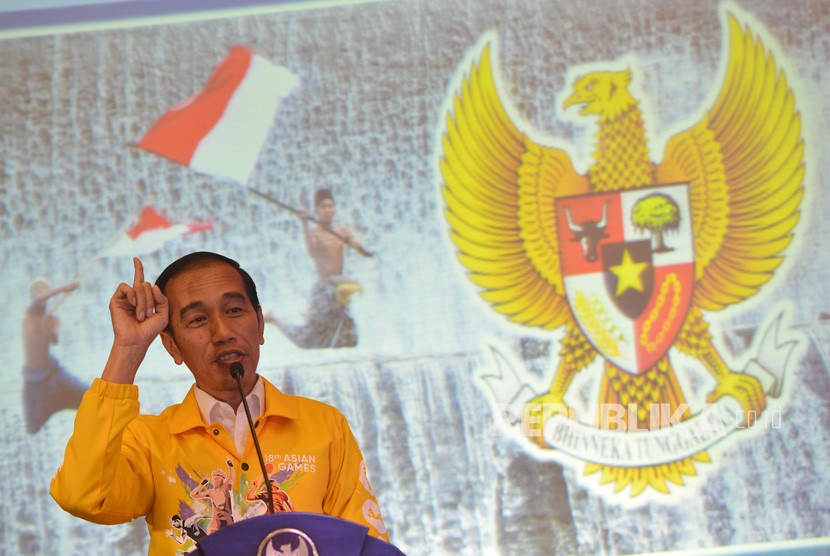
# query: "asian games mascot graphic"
{"points": [[625, 259]]}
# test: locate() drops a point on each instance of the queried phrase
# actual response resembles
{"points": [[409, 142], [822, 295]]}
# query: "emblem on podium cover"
{"points": [[287, 542]]}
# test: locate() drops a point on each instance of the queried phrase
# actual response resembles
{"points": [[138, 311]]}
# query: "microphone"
{"points": [[237, 370]]}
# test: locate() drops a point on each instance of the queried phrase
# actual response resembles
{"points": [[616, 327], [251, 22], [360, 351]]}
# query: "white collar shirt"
{"points": [[235, 422]]}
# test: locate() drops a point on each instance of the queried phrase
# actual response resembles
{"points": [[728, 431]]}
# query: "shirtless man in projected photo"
{"points": [[328, 323], [47, 387]]}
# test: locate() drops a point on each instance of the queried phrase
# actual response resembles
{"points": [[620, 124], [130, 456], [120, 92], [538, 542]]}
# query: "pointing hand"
{"points": [[139, 312]]}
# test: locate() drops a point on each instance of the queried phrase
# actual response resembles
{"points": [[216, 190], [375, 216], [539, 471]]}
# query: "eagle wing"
{"points": [[744, 161], [499, 189]]}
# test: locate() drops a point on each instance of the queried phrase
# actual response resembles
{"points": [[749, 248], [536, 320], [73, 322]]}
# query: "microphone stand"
{"points": [[237, 370]]}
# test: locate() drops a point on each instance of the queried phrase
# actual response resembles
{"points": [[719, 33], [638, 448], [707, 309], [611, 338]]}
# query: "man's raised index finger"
{"points": [[139, 271]]}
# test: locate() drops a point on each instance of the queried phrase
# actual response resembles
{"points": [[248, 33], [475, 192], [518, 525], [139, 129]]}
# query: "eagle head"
{"points": [[602, 93]]}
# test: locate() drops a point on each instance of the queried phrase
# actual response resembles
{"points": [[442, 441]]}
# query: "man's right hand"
{"points": [[139, 314]]}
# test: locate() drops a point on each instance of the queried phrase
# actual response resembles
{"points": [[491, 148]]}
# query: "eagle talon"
{"points": [[744, 388], [537, 412]]}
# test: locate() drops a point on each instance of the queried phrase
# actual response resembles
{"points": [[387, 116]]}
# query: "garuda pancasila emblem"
{"points": [[550, 247]]}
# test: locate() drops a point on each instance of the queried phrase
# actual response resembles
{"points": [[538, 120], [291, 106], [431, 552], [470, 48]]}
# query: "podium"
{"points": [[300, 533]]}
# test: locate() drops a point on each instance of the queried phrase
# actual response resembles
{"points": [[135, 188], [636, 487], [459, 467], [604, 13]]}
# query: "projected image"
{"points": [[561, 266], [329, 324], [626, 256], [47, 387]]}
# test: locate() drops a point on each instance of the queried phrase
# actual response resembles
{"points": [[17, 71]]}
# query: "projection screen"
{"points": [[591, 315]]}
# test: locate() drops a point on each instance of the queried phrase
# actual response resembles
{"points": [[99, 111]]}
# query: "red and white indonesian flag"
{"points": [[220, 130], [151, 232]]}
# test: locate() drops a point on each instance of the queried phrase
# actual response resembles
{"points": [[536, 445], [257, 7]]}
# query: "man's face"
{"points": [[214, 324], [325, 211], [38, 287]]}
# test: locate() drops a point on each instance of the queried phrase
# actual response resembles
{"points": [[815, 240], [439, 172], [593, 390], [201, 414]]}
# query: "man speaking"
{"points": [[196, 462]]}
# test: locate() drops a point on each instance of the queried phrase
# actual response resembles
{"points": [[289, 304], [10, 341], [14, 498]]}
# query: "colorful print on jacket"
{"points": [[187, 477]]}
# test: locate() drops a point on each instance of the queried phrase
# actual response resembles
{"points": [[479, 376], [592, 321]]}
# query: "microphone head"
{"points": [[237, 370]]}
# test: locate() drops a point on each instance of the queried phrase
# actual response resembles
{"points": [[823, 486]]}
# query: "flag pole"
{"points": [[359, 248], [78, 277], [89, 265], [88, 268]]}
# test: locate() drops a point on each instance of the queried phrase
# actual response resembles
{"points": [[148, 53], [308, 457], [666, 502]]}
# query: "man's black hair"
{"points": [[321, 195], [199, 258]]}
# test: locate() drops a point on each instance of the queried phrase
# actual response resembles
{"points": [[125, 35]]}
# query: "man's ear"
{"points": [[261, 323], [172, 348]]}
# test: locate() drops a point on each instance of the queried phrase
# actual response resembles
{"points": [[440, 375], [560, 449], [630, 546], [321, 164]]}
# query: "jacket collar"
{"points": [[186, 416]]}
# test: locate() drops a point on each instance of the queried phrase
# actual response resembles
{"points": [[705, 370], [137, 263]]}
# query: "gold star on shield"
{"points": [[628, 274]]}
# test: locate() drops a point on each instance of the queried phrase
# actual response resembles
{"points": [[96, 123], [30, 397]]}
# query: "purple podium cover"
{"points": [[301, 533]]}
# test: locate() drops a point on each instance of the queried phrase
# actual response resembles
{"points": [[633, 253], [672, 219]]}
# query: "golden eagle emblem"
{"points": [[628, 256]]}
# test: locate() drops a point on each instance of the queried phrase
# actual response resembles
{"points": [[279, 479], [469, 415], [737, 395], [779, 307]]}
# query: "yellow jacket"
{"points": [[120, 465]]}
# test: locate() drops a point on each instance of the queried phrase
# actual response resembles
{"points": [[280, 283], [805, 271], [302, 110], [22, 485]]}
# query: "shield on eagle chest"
{"points": [[628, 269]]}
